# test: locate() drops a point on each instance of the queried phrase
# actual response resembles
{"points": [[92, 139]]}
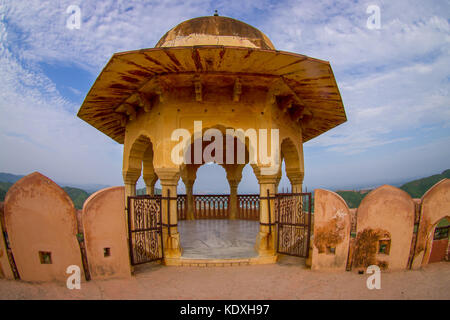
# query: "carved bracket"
{"points": [[145, 102], [198, 88], [237, 90]]}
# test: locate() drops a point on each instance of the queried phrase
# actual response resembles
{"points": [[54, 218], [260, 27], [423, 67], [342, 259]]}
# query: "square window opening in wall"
{"points": [[106, 252], [45, 257], [331, 250], [384, 246]]}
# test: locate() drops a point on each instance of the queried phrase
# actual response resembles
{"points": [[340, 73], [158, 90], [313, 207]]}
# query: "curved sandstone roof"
{"points": [[217, 46], [215, 30]]}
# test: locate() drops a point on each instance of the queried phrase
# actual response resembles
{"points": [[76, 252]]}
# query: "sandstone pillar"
{"points": [[266, 239], [189, 200], [130, 177], [296, 179], [169, 180], [188, 175], [234, 176], [150, 180]]}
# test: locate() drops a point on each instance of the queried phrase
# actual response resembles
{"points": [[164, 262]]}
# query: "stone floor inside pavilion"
{"points": [[218, 238]]}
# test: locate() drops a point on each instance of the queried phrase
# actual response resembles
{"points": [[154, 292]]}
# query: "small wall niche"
{"points": [[384, 246], [45, 257], [106, 252], [331, 250]]}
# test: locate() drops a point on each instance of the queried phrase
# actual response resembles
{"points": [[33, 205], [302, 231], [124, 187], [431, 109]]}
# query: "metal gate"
{"points": [[293, 218], [145, 229]]}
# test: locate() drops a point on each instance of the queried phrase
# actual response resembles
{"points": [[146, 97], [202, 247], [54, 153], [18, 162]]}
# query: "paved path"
{"points": [[285, 280]]}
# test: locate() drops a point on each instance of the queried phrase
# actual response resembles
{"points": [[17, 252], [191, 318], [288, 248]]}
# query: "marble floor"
{"points": [[218, 239]]}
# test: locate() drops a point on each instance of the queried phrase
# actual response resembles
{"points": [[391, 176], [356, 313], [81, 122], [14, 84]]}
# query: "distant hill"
{"points": [[4, 187], [143, 191], [353, 198], [8, 177], [78, 196], [417, 188]]}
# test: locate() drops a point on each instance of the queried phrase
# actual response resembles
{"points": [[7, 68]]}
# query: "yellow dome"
{"points": [[215, 30]]}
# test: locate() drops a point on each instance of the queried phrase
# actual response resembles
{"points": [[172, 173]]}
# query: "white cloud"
{"points": [[107, 27], [394, 81], [391, 80]]}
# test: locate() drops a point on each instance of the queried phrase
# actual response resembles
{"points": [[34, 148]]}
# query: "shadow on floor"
{"points": [[147, 267], [291, 261]]}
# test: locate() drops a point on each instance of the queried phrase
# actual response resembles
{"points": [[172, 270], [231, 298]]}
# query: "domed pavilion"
{"points": [[205, 77]]}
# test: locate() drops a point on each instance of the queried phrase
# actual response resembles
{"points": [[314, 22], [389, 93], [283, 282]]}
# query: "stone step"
{"points": [[189, 262]]}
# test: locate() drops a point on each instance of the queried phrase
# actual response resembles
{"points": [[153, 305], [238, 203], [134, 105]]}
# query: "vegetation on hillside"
{"points": [[353, 198], [8, 177], [417, 188], [78, 196], [143, 191], [4, 187]]}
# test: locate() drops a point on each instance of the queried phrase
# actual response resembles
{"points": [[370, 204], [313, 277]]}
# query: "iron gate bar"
{"points": [[309, 195], [168, 213], [270, 215]]}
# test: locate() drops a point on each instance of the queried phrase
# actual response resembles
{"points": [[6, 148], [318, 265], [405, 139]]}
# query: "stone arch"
{"points": [[105, 234], [435, 207], [148, 170], [138, 154], [237, 141], [385, 210], [293, 161], [248, 148], [290, 154], [42, 229], [331, 231], [134, 156], [223, 174]]}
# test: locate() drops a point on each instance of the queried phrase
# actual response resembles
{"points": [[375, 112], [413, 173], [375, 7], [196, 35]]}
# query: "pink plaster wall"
{"points": [[435, 206], [40, 216], [389, 209], [332, 223], [104, 224], [5, 267]]}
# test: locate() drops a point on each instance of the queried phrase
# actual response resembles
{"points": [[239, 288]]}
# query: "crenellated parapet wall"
{"points": [[332, 223], [388, 229], [41, 226], [43, 234]]}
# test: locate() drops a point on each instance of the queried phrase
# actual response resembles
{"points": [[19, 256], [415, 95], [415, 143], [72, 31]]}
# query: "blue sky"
{"points": [[394, 82]]}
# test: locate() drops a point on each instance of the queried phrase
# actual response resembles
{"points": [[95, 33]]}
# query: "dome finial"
{"points": [[216, 14]]}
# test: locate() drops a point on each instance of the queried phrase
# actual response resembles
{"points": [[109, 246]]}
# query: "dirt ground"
{"points": [[284, 280]]}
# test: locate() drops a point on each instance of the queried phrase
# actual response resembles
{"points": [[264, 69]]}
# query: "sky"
{"points": [[394, 81]]}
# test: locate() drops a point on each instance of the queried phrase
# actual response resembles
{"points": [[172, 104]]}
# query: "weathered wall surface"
{"points": [[331, 231], [40, 217], [5, 267], [385, 213], [105, 233], [435, 206]]}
